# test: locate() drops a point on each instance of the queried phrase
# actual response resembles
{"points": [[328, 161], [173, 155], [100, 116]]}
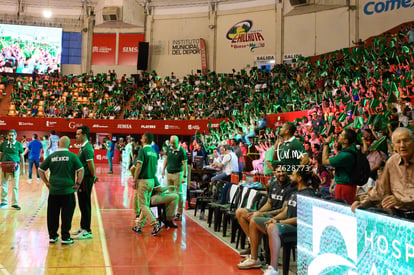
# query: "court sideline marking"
{"points": [[4, 270], [107, 261]]}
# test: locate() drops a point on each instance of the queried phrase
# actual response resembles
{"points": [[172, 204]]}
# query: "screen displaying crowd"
{"points": [[28, 49]]}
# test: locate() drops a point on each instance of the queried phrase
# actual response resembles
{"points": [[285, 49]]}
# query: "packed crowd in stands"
{"points": [[83, 96], [359, 102], [354, 80]]}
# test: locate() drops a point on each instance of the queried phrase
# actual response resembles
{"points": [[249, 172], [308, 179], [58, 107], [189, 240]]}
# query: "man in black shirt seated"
{"points": [[279, 192], [282, 223]]}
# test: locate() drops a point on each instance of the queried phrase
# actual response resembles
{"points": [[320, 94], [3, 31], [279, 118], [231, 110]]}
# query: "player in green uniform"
{"points": [[144, 170], [86, 155]]}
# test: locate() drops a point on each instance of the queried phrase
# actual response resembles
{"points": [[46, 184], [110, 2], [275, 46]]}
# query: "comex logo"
{"points": [[347, 227], [388, 5]]}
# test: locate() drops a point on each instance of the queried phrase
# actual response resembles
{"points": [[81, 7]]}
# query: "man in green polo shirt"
{"points": [[12, 151], [268, 161], [144, 170], [176, 164], [66, 174], [343, 163], [289, 152], [86, 155]]}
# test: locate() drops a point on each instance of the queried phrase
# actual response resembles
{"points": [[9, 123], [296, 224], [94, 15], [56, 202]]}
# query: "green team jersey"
{"points": [[175, 158], [63, 166], [85, 154], [11, 151], [290, 153], [149, 159]]}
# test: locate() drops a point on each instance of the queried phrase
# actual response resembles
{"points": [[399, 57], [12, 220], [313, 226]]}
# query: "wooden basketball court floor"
{"points": [[115, 248]]}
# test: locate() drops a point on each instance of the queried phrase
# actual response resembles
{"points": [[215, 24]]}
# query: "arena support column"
{"points": [[87, 39]]}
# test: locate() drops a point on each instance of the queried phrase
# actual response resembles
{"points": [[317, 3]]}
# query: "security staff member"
{"points": [[66, 173], [176, 164], [86, 155], [144, 170]]}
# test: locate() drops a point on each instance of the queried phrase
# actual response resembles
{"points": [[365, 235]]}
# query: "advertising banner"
{"points": [[100, 155], [277, 120], [118, 126], [203, 53], [242, 36], [103, 49], [184, 47], [333, 240], [128, 48]]}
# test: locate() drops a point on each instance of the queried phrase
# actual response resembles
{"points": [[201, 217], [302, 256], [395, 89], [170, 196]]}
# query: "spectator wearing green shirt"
{"points": [[66, 174], [343, 163], [268, 161], [11, 150], [144, 170], [86, 155], [289, 151], [176, 164]]}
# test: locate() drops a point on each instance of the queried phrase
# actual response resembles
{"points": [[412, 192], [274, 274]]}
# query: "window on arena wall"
{"points": [[298, 2], [71, 48]]}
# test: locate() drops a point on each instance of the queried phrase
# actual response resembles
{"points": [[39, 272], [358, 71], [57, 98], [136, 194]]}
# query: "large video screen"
{"points": [[25, 49], [332, 240]]}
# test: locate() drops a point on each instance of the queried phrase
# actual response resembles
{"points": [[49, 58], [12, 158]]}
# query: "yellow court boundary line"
{"points": [[105, 253], [4, 270]]}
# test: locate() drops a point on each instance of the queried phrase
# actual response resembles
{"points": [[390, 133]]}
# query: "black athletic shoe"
{"points": [[170, 224], [137, 229], [156, 229], [67, 241]]}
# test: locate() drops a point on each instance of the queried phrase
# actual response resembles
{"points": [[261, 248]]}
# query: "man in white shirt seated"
{"points": [[226, 164]]}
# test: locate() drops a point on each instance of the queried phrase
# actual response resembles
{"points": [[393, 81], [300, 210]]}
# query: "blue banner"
{"points": [[333, 240]]}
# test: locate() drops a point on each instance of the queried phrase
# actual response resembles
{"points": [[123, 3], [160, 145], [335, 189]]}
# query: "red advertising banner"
{"points": [[100, 155], [128, 48], [203, 54], [103, 49], [121, 126], [116, 126], [277, 120]]}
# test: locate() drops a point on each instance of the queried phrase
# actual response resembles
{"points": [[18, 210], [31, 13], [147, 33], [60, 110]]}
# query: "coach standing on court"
{"points": [[176, 164], [86, 155], [144, 170], [66, 173], [11, 150]]}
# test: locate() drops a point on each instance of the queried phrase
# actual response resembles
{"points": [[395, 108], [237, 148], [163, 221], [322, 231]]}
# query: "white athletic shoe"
{"points": [[271, 271], [83, 235]]}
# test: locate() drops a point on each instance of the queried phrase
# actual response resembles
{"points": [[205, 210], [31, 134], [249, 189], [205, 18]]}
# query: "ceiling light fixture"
{"points": [[47, 13]]}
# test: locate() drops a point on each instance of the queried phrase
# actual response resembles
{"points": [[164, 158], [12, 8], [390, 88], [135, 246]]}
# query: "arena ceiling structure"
{"points": [[59, 13]]}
